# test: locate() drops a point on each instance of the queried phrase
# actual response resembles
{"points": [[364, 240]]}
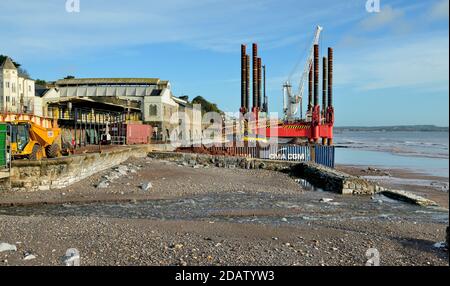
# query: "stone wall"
{"points": [[163, 147], [224, 161], [332, 180], [320, 176], [61, 172]]}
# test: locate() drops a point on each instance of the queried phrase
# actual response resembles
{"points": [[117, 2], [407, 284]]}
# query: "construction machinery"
{"points": [[31, 141], [319, 121], [291, 101]]}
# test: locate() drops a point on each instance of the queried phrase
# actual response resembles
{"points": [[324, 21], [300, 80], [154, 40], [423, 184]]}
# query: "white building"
{"points": [[16, 91], [152, 97], [44, 96]]}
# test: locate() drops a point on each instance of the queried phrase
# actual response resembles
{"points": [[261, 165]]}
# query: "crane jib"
{"points": [[291, 108]]}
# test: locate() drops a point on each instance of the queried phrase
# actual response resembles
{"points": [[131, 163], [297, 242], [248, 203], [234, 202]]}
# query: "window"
{"points": [[13, 87], [22, 136], [6, 84], [8, 99], [29, 88], [153, 110], [13, 101]]}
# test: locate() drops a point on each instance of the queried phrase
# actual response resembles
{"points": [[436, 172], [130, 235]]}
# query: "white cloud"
{"points": [[421, 63], [408, 54], [439, 10], [386, 16], [45, 28]]}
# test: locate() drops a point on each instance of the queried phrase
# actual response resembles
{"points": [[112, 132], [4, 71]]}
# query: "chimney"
{"points": [[330, 77], [243, 76], [265, 107], [310, 88], [255, 76], [259, 84], [316, 75], [324, 85], [247, 75]]}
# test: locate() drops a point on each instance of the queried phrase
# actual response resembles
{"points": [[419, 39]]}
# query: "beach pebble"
{"points": [[146, 186], [7, 247], [29, 256], [103, 184]]}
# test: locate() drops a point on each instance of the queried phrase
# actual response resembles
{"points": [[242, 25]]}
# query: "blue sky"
{"points": [[391, 67]]}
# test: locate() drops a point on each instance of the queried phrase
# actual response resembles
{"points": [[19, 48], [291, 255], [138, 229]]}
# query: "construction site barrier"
{"points": [[320, 154]]}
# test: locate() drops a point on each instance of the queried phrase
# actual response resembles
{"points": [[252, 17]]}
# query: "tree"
{"points": [[3, 58], [206, 105], [23, 72], [69, 77], [41, 82]]}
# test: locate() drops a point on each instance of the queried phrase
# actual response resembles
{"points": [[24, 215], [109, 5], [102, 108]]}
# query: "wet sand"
{"points": [[214, 216], [435, 188]]}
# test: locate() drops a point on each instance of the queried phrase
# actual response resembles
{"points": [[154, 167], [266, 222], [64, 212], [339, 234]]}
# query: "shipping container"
{"points": [[138, 133]]}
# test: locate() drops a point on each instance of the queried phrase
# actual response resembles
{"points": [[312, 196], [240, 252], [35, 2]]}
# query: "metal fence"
{"points": [[324, 155], [320, 154], [86, 126], [286, 152]]}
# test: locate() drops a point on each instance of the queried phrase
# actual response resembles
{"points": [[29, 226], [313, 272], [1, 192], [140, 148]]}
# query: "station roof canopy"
{"points": [[86, 102], [111, 81]]}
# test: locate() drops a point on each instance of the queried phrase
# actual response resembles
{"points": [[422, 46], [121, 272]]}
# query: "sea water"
{"points": [[425, 152]]}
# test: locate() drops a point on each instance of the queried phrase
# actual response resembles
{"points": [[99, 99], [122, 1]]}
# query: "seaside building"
{"points": [[17, 92], [146, 100], [139, 100]]}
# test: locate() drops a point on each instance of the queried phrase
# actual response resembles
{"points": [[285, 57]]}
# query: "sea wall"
{"points": [[334, 181], [318, 175], [61, 172], [223, 161]]}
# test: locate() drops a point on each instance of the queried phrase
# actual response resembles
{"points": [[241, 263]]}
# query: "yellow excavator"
{"points": [[34, 142]]}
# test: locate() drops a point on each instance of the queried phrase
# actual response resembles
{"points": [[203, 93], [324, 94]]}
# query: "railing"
{"points": [[118, 140], [91, 114]]}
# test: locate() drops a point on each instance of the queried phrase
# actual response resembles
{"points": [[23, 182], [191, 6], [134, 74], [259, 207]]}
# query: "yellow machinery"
{"points": [[29, 140]]}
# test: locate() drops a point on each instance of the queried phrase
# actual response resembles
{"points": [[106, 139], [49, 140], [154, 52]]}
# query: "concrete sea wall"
{"points": [[333, 180], [61, 172]]}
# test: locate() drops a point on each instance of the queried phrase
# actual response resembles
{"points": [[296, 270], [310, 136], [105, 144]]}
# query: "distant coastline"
{"points": [[421, 128]]}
